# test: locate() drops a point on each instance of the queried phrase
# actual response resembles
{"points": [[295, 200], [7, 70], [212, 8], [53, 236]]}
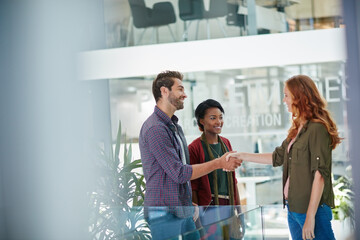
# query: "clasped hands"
{"points": [[229, 162]]}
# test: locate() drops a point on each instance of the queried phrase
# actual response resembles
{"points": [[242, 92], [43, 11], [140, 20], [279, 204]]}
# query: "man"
{"points": [[164, 152]]}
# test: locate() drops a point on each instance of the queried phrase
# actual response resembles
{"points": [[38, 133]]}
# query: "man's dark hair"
{"points": [[202, 107], [164, 79]]}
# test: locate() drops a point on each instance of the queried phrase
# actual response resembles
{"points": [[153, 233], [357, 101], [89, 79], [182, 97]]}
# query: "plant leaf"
{"points": [[126, 160], [117, 146]]}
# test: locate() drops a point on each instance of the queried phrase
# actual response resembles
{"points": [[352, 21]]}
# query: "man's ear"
{"points": [[164, 91]]}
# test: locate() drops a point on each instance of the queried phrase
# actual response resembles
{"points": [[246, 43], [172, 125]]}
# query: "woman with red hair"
{"points": [[306, 159]]}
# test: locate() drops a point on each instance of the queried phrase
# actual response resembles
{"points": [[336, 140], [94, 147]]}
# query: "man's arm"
{"points": [[199, 170]]}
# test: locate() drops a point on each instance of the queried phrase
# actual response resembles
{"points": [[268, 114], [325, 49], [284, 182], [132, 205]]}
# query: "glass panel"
{"points": [[255, 117], [143, 22], [167, 223], [220, 222], [275, 222]]}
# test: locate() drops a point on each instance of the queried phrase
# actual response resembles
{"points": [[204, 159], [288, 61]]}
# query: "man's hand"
{"points": [[229, 164], [202, 169]]}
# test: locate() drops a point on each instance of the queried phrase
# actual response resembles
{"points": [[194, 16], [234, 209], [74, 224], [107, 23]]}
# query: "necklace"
{"points": [[216, 152]]}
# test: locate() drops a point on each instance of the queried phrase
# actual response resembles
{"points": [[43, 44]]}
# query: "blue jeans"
{"points": [[167, 226], [323, 229]]}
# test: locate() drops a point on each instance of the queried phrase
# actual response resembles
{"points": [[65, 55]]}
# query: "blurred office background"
{"points": [[71, 70]]}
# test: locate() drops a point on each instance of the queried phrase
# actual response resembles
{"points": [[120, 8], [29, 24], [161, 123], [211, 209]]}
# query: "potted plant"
{"points": [[343, 213], [117, 196]]}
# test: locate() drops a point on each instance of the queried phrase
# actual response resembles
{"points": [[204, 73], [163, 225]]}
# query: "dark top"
{"points": [[310, 152], [202, 185], [222, 180]]}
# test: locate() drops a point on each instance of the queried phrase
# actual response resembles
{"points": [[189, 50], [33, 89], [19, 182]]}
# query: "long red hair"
{"points": [[309, 105]]}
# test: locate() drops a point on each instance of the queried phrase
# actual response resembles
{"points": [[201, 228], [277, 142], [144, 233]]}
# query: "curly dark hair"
{"points": [[200, 110], [164, 79]]}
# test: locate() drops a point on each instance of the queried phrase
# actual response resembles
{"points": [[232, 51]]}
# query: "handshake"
{"points": [[230, 161]]}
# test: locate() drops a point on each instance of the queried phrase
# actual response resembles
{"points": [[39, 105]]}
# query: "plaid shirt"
{"points": [[167, 178]]}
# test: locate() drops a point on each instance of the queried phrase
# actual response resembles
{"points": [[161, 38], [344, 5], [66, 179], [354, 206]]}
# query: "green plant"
{"points": [[344, 197], [117, 196]]}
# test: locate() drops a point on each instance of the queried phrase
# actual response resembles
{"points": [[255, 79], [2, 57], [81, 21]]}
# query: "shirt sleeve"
{"points": [[320, 150], [278, 154], [162, 148], [194, 159]]}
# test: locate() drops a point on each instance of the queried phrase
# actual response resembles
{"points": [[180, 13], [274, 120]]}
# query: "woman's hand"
{"points": [[308, 228], [233, 154], [263, 158], [196, 211]]}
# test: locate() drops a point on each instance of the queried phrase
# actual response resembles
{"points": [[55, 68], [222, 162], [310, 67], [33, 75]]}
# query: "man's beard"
{"points": [[176, 102]]}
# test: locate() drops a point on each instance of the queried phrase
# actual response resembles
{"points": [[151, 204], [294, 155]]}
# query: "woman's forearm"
{"points": [[308, 231], [316, 193], [263, 158]]}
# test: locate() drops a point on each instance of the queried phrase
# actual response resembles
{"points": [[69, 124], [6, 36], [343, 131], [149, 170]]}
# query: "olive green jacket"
{"points": [[310, 152]]}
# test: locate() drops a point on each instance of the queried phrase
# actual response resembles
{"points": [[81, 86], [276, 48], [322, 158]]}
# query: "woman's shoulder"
{"points": [[224, 139], [317, 129], [227, 142], [195, 142], [316, 126], [195, 149]]}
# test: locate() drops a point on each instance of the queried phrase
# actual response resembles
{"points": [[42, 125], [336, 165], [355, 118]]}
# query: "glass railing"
{"points": [[274, 219], [143, 22], [211, 222], [227, 222]]}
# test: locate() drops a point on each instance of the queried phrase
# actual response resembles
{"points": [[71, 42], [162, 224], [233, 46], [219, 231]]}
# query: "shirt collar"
{"points": [[306, 124], [304, 128], [164, 117]]}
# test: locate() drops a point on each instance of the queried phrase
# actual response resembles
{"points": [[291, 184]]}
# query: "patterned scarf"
{"points": [[214, 173]]}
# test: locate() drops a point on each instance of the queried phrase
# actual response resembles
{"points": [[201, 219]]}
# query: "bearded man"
{"points": [[166, 162]]}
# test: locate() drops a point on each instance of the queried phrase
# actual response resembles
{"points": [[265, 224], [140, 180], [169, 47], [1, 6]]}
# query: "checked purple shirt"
{"points": [[167, 178]]}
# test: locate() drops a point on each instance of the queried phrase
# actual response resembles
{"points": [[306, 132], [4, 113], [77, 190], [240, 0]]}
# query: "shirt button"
{"points": [[289, 157], [318, 158]]}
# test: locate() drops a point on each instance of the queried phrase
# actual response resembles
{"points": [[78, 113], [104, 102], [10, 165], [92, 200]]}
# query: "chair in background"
{"points": [[190, 10], [233, 18], [217, 9], [161, 14]]}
